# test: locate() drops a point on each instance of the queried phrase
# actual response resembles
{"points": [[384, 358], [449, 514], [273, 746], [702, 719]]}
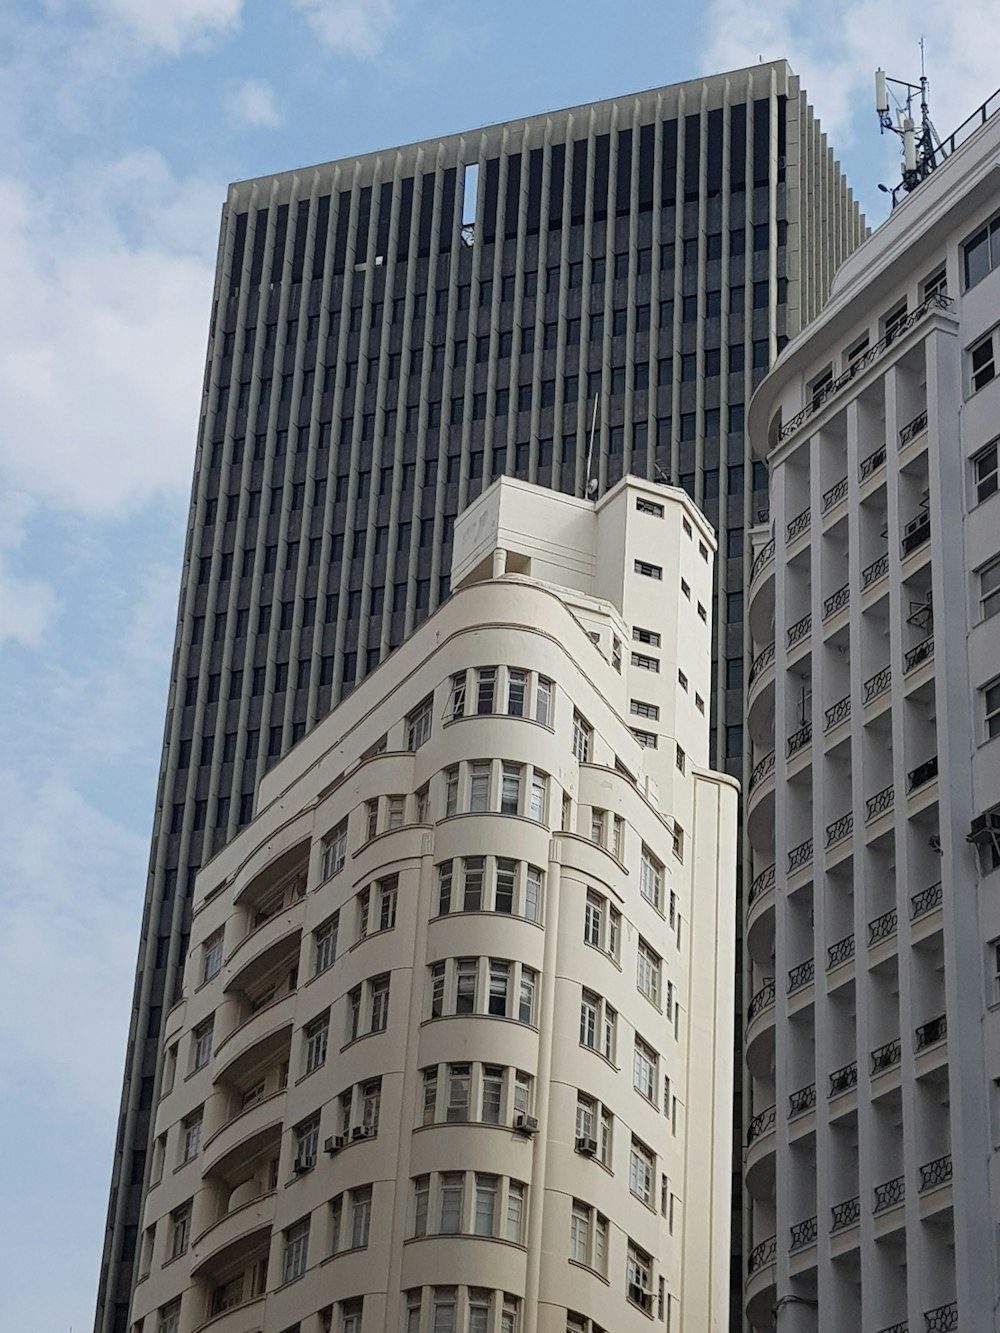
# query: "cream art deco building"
{"points": [[453, 1053], [873, 811]]}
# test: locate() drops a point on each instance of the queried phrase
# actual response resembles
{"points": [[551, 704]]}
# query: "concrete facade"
{"points": [[872, 926], [453, 1053]]}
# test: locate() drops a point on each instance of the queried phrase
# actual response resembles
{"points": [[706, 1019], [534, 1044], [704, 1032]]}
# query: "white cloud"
{"points": [[173, 25], [355, 28], [251, 104]]}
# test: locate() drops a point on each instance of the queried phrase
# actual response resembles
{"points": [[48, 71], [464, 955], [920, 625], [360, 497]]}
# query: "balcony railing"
{"points": [[802, 1234], [760, 884], [845, 1214], [887, 1056], [879, 803], [889, 1194], [883, 927], [801, 975], [841, 952], [761, 1255], [931, 1032], [871, 464], [875, 571], [798, 525], [761, 770], [798, 631], [834, 495], [798, 740], [761, 1124], [935, 1173], [925, 901], [762, 557], [837, 601], [842, 1080], [901, 1327], [764, 999], [920, 653], [913, 428], [917, 535], [861, 363], [800, 856], [942, 1319], [840, 829], [761, 662], [922, 774], [877, 684], [802, 1101], [840, 712]]}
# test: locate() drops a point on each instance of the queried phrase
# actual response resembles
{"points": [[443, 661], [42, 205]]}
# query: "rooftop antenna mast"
{"points": [[920, 149]]}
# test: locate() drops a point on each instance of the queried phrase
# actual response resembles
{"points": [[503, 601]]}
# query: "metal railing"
{"points": [[802, 1234], [931, 1032], [761, 1255], [762, 557], [875, 571], [889, 1194], [802, 1101], [798, 631], [902, 1327], [935, 1173], [838, 713], [922, 774], [764, 999], [871, 464], [800, 856], [798, 740], [763, 660], [877, 684], [834, 495], [883, 927], [837, 601], [917, 537], [913, 428], [841, 952], [918, 654], [879, 803], [845, 1214], [801, 975], [840, 829], [886, 1057], [843, 1080], [761, 1124], [925, 901], [760, 884], [798, 525], [942, 1319], [821, 396], [761, 770]]}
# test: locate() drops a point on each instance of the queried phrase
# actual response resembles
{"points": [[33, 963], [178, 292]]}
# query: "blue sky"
{"points": [[124, 122]]}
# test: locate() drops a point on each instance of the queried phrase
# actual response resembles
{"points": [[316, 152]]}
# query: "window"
{"points": [[641, 1171], [396, 812], [678, 847], [452, 1189], [981, 253], [169, 1317], [594, 1127], [647, 636], [651, 878], [640, 708], [991, 705], [350, 1220], [588, 1237], [457, 705], [306, 1139], [639, 1277], [583, 734], [598, 1024], [983, 361], [191, 1135], [989, 589], [317, 1035], [293, 1260], [379, 1004], [650, 507], [451, 778], [601, 923], [351, 1315], [325, 943], [644, 1075], [495, 986], [543, 701], [180, 1230], [539, 785], [201, 1044], [334, 851], [984, 466], [418, 724], [650, 571], [510, 788], [648, 972], [211, 957], [486, 680], [645, 663]]}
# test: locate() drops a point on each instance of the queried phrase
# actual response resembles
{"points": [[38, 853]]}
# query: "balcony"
{"points": [[760, 663], [800, 856], [925, 901], [935, 1173], [800, 630], [912, 429], [846, 1214], [764, 557], [802, 1101], [839, 830], [883, 927], [839, 712], [841, 952], [884, 1058], [931, 1032], [890, 1194], [761, 884], [764, 999], [758, 1167], [871, 574], [916, 534], [759, 1290], [922, 774], [761, 1124], [760, 771], [801, 975], [798, 525], [871, 464], [901, 1327], [245, 1135], [802, 1234], [834, 496], [837, 601], [798, 740], [921, 653], [843, 1079], [259, 1039], [942, 1319], [880, 803], [876, 685]]}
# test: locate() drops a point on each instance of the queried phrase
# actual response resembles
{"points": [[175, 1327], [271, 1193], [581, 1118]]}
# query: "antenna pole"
{"points": [[590, 446]]}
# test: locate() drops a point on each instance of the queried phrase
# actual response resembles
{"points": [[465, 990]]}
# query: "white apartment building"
{"points": [[454, 1049], [872, 931]]}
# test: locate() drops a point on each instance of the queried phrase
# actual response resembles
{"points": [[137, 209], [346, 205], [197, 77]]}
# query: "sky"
{"points": [[124, 121]]}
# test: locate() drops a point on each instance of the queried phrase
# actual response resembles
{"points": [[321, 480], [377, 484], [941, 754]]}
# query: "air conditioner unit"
{"points": [[985, 828], [640, 1296], [586, 1147], [360, 1132], [332, 1145], [525, 1124], [304, 1163]]}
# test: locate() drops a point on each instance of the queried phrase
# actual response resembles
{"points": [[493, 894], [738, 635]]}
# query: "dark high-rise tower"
{"points": [[388, 334]]}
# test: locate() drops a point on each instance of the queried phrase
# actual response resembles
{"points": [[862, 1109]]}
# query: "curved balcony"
{"points": [[760, 916], [247, 1317], [759, 667], [761, 770], [758, 1170], [759, 1038], [760, 594], [243, 1225], [759, 1290], [760, 698], [261, 1037], [263, 949], [760, 804], [241, 1139]]}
